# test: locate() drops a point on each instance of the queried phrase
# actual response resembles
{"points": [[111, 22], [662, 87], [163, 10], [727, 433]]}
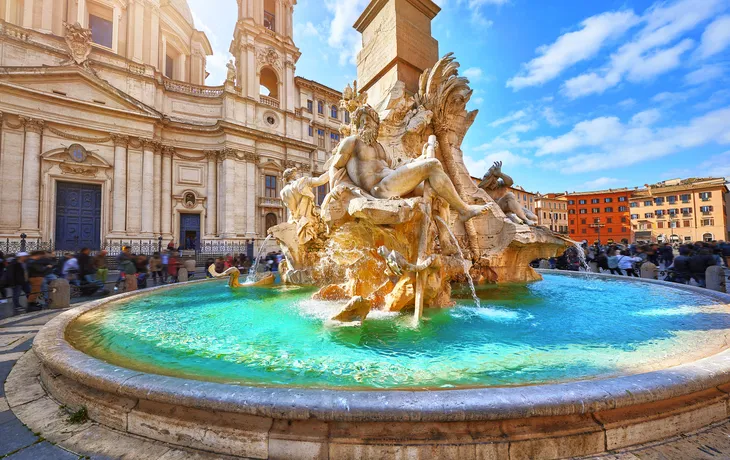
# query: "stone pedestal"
{"points": [[182, 275], [59, 294], [396, 45], [715, 279], [649, 271]]}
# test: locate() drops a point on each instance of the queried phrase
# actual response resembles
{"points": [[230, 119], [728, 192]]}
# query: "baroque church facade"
{"points": [[108, 133]]}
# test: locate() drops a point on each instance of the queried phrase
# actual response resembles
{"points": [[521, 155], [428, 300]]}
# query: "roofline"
{"points": [[317, 84]]}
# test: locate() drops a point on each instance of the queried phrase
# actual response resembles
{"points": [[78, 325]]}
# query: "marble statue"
{"points": [[403, 218], [231, 75], [362, 161], [298, 197], [497, 184]]}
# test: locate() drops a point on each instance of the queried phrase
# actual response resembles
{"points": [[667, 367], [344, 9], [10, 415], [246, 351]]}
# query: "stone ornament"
{"points": [[270, 57], [77, 152], [189, 200], [33, 125], [120, 140], [74, 170], [78, 41]]}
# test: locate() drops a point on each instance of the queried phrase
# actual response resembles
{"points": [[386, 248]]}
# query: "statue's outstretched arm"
{"points": [[508, 182], [321, 180]]}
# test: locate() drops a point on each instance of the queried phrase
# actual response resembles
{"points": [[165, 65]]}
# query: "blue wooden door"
{"points": [[78, 216], [190, 231]]}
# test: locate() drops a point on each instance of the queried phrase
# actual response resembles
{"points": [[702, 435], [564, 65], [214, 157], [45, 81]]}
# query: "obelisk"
{"points": [[396, 45]]}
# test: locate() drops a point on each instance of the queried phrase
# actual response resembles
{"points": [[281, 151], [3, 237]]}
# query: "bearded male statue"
{"points": [[360, 160], [497, 184]]}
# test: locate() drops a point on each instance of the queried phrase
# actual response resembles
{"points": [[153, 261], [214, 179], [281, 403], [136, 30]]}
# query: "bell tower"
{"points": [[265, 53]]}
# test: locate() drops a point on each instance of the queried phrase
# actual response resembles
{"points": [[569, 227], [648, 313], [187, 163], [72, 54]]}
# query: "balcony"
{"points": [[270, 21], [266, 202], [270, 101]]}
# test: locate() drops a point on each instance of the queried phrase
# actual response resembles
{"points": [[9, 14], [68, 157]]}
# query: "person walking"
{"points": [[612, 261], [156, 269], [16, 277], [101, 266], [626, 264], [699, 263], [681, 271], [172, 266], [127, 269], [36, 269]]}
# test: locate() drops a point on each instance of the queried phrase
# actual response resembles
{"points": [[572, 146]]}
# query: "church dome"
{"points": [[181, 6]]}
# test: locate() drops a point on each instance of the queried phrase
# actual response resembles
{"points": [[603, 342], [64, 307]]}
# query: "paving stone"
{"points": [[6, 416], [46, 417], [3, 402], [10, 356], [22, 385], [101, 442], [14, 436], [43, 451], [182, 454]]}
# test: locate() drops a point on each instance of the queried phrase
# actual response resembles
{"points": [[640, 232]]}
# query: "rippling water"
{"points": [[560, 329]]}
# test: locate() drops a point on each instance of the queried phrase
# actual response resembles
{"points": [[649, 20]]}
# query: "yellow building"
{"points": [[681, 211], [526, 199], [552, 212]]}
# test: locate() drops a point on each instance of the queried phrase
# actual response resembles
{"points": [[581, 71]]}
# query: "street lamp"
{"points": [[598, 226]]}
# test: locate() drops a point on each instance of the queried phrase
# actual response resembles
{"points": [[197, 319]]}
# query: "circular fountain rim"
{"points": [[488, 403]]}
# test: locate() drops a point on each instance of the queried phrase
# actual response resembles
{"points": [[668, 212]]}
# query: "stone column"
{"points": [[154, 35], [148, 179], [119, 195], [163, 58], [253, 89], [227, 184], [289, 86], [81, 12], [137, 32], [116, 20], [157, 192], [211, 221], [252, 160], [31, 192], [47, 17], [182, 75], [166, 192], [28, 14]]}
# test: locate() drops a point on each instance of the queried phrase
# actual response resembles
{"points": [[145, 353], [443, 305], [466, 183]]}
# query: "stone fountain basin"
{"points": [[542, 421]]}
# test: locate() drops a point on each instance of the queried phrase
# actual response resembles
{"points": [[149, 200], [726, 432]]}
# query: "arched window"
{"points": [[708, 237], [270, 15], [271, 220], [333, 111], [269, 83]]}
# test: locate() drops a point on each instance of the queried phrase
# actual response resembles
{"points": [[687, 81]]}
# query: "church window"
{"points": [[101, 30], [169, 66], [271, 191]]}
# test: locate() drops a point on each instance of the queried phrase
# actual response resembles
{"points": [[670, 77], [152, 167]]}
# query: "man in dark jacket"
{"points": [[699, 263], [17, 279], [682, 271]]}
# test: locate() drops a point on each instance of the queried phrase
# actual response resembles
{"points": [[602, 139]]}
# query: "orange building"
{"points": [[599, 216]]}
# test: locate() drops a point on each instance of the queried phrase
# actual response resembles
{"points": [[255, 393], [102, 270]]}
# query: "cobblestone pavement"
{"points": [[17, 442]]}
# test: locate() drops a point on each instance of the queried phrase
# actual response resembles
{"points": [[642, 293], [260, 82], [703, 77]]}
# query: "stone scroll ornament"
{"points": [[78, 41]]}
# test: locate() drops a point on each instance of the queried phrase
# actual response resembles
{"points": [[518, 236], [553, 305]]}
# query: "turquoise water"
{"points": [[560, 329]]}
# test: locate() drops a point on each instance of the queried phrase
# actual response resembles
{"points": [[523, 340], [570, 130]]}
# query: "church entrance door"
{"points": [[78, 216]]}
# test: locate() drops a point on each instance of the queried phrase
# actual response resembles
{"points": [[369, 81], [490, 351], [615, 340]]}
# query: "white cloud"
{"points": [[573, 47], [551, 116], [716, 37], [514, 116], [627, 103], [605, 143], [342, 36], [305, 30], [478, 100], [477, 167], [705, 74], [650, 53], [601, 183], [215, 64], [716, 166], [474, 74], [646, 118]]}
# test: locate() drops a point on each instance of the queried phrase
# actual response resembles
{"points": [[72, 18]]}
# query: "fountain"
{"points": [[364, 351]]}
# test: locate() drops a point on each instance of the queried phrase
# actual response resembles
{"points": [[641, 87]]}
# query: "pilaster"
{"points": [[30, 194], [119, 194]]}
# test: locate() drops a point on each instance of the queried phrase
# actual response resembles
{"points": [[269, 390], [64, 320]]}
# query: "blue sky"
{"points": [[572, 94]]}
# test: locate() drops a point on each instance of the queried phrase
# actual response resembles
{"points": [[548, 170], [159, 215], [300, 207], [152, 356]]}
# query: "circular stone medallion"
{"points": [[77, 153]]}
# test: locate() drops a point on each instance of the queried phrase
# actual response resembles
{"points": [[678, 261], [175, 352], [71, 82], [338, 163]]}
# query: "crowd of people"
{"points": [[684, 264], [30, 274]]}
